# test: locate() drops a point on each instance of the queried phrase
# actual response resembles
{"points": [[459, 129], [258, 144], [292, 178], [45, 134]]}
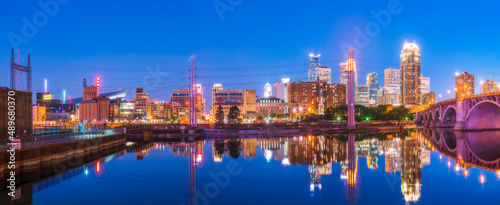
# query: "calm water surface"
{"points": [[420, 167]]}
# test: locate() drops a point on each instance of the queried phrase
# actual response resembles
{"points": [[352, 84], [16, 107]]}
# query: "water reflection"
{"points": [[403, 154]]}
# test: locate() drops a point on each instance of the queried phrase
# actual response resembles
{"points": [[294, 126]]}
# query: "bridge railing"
{"points": [[480, 95]]}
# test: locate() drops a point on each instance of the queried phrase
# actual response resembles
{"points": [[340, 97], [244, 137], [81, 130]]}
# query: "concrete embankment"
{"points": [[33, 162], [276, 132]]}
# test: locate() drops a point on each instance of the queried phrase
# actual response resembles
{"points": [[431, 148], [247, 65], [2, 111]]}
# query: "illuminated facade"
{"points": [[323, 73], [490, 87], [267, 106], [313, 64], [363, 94], [314, 97], [93, 107], [372, 82], [249, 102], [142, 105], [214, 90], [425, 85], [410, 74], [268, 90], [464, 85], [429, 98]]}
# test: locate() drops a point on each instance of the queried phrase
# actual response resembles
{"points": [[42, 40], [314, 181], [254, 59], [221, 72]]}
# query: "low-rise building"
{"points": [[268, 106]]}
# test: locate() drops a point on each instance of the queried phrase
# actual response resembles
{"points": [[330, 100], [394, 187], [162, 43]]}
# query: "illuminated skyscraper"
{"points": [[425, 85], [464, 85], [372, 82], [324, 73], [410, 74], [313, 64], [392, 79], [362, 94], [268, 90]]}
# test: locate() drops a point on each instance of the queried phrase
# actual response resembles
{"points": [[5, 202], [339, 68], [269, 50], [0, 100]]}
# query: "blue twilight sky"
{"points": [[240, 43]]}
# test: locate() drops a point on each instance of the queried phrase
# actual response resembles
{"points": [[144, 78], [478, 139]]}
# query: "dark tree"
{"points": [[329, 113], [219, 117], [233, 117], [234, 147]]}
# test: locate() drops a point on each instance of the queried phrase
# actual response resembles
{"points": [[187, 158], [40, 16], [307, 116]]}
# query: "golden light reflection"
{"points": [[482, 179]]}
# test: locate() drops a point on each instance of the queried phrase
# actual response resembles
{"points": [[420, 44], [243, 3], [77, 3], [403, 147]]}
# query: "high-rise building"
{"points": [[425, 85], [490, 87], [285, 82], [429, 98], [323, 73], [372, 82], [279, 90], [142, 104], [363, 94], [268, 90], [392, 80], [464, 85], [410, 74], [388, 96], [313, 64], [214, 90]]}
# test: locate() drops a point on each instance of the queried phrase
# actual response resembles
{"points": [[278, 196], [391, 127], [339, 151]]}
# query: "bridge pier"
{"points": [[461, 124], [462, 149]]}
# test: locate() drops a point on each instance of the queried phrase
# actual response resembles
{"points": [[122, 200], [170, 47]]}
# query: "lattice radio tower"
{"points": [[192, 91], [15, 67]]}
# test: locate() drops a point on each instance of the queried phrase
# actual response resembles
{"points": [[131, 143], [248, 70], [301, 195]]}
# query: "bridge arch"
{"points": [[484, 145], [484, 115], [437, 116], [450, 115]]}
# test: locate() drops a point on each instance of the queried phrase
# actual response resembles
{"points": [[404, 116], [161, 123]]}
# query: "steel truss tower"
{"points": [[192, 94], [16, 67]]}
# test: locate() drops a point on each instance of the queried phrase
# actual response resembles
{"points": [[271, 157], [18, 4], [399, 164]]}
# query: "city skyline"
{"points": [[93, 55]]}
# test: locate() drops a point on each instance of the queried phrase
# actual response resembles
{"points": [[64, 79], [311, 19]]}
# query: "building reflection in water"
{"points": [[411, 167]]}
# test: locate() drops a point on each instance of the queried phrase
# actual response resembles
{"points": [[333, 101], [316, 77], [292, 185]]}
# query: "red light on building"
{"points": [[98, 81]]}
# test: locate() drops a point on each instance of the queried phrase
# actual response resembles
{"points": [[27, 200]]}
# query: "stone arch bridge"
{"points": [[475, 113], [477, 149]]}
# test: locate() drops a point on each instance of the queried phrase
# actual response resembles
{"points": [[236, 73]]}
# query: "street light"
{"points": [[440, 97]]}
